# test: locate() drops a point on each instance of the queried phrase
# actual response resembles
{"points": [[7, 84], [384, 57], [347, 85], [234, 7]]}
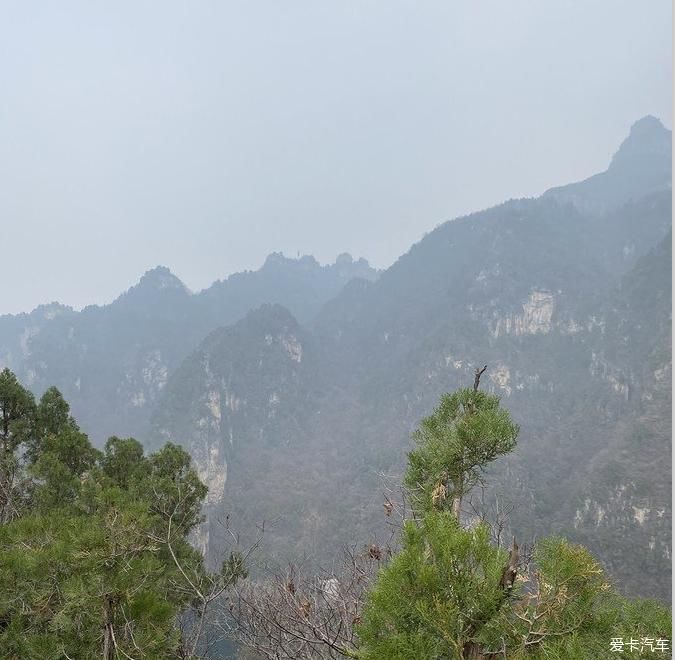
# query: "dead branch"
{"points": [[291, 615], [476, 380]]}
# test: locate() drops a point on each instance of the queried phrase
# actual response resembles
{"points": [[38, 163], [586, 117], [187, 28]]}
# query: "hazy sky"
{"points": [[204, 135]]}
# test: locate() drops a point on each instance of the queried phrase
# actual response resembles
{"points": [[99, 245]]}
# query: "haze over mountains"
{"points": [[113, 361], [295, 386]]}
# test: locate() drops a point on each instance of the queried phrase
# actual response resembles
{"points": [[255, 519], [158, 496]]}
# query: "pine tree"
{"points": [[467, 431], [17, 425], [450, 593], [94, 552]]}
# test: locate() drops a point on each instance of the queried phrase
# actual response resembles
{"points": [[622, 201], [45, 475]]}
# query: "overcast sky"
{"points": [[204, 135]]}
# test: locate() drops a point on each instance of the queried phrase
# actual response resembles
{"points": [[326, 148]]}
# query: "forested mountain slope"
{"points": [[293, 410], [565, 297], [112, 361]]}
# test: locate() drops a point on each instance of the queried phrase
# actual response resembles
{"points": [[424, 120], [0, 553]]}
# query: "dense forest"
{"points": [[96, 560]]}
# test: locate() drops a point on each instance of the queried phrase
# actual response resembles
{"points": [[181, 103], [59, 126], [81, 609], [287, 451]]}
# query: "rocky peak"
{"points": [[648, 140], [159, 278], [278, 260], [345, 265], [641, 166], [155, 284], [51, 310], [349, 268]]}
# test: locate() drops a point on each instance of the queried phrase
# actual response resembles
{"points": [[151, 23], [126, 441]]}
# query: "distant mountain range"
{"points": [[296, 387], [112, 362]]}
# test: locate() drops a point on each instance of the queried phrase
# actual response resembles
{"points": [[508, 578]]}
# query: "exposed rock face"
{"points": [[245, 383], [293, 422], [647, 146], [535, 317], [113, 362], [572, 326]]}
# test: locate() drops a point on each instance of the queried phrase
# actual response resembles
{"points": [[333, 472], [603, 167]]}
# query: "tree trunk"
{"points": [[472, 651], [457, 499], [108, 634]]}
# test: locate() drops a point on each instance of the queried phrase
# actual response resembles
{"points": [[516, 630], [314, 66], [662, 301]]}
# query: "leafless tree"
{"points": [[203, 588], [493, 512], [292, 615]]}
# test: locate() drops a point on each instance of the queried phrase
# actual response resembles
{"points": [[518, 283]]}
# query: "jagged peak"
{"points": [[160, 277], [279, 259], [648, 137], [349, 268], [648, 124], [153, 281], [641, 166], [343, 260], [275, 258], [346, 260], [51, 310]]}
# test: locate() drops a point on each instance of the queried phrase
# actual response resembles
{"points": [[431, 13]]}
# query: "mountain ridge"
{"points": [[112, 361], [292, 411], [642, 164], [526, 287]]}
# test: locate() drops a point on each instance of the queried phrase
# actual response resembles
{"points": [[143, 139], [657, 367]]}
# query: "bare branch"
{"points": [[476, 380]]}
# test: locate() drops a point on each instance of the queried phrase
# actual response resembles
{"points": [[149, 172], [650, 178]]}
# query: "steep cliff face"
{"points": [[623, 492], [567, 304], [296, 414], [244, 388], [113, 362]]}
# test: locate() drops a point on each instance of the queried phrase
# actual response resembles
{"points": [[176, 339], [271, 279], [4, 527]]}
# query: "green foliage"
{"points": [[17, 424], [467, 430], [53, 413], [446, 595], [123, 461], [17, 412], [233, 568], [566, 610], [173, 487], [95, 562], [59, 572], [59, 468], [440, 598], [435, 594]]}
